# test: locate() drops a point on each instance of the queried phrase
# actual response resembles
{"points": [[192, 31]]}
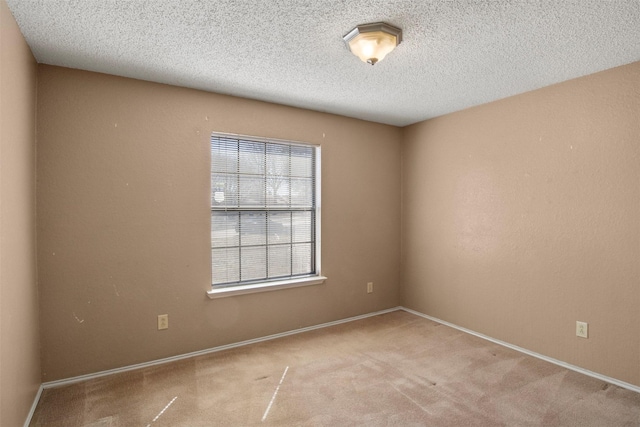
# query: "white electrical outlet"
{"points": [[163, 321], [582, 329], [370, 287]]}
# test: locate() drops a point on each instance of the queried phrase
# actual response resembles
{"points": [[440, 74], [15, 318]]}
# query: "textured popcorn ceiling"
{"points": [[455, 54]]}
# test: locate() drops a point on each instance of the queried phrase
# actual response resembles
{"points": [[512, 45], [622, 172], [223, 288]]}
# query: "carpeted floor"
{"points": [[395, 369]]}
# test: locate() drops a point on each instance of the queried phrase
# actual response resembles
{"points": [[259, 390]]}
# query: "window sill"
{"points": [[264, 287]]}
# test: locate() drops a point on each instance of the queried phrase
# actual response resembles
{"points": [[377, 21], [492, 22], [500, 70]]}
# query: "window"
{"points": [[264, 214]]}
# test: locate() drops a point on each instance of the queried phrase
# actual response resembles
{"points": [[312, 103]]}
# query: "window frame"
{"points": [[224, 290]]}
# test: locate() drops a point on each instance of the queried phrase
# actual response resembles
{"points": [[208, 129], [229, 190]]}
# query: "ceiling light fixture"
{"points": [[372, 42]]}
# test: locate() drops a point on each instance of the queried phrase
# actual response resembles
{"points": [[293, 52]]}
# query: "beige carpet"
{"points": [[395, 369]]}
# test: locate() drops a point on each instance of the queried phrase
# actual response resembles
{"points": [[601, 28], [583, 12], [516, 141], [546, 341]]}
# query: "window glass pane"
{"points": [[279, 261], [251, 191], [278, 160], [251, 158], [277, 175], [224, 156], [302, 192], [254, 263], [302, 161], [224, 229], [225, 265], [278, 194], [279, 227], [224, 190], [253, 228], [301, 258], [301, 226]]}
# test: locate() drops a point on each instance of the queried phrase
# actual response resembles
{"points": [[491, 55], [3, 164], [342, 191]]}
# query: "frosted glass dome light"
{"points": [[372, 42]]}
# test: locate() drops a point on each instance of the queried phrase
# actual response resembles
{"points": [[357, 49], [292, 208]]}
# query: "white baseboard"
{"points": [[33, 406], [566, 365], [80, 378]]}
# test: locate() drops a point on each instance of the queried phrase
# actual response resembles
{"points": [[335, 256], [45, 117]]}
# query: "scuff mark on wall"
{"points": [[77, 318]]}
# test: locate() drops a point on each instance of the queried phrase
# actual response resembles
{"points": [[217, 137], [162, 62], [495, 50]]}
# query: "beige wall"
{"points": [[19, 351], [523, 215], [123, 220]]}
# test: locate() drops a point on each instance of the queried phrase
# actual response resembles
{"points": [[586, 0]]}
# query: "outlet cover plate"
{"points": [[163, 321], [582, 329]]}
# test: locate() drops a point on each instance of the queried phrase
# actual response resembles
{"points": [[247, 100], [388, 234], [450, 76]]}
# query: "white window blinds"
{"points": [[263, 210]]}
